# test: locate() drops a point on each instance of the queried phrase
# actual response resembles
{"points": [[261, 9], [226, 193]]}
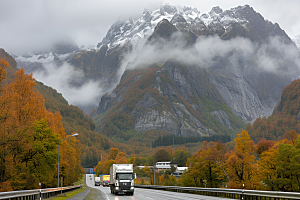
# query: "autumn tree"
{"points": [[241, 166], [29, 136], [131, 161], [3, 65], [107, 161], [287, 168], [268, 167], [39, 157], [20, 107], [121, 158], [181, 157], [113, 153], [263, 145], [204, 169], [161, 155]]}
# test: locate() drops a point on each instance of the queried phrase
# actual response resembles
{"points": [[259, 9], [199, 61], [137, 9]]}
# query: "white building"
{"points": [[179, 171], [164, 166]]}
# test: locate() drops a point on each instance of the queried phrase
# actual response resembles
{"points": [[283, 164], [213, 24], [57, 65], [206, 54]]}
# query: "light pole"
{"points": [[75, 134]]}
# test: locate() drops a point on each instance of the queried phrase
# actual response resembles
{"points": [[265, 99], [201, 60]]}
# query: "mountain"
{"points": [[35, 61], [185, 72], [297, 41], [240, 21], [202, 97], [284, 119], [167, 97]]}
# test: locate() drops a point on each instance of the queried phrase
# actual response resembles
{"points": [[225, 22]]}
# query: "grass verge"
{"points": [[67, 194], [72, 193]]}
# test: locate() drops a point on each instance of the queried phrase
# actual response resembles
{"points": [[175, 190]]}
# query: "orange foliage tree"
{"points": [[29, 136], [121, 158], [203, 167], [114, 157]]}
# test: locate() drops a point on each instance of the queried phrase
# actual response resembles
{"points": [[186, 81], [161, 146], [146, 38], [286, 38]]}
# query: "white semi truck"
{"points": [[97, 181], [122, 179]]}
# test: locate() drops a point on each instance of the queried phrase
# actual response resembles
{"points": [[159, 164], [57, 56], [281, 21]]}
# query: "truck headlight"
{"points": [[132, 188], [117, 188]]}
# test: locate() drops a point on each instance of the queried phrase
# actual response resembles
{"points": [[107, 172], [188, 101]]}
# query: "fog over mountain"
{"points": [[83, 75], [60, 77], [206, 48], [32, 25]]}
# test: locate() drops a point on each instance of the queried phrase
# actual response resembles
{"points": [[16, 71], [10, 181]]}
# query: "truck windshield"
{"points": [[124, 176]]}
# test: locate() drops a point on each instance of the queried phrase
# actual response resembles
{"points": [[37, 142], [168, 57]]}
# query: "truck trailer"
{"points": [[122, 179], [105, 179]]}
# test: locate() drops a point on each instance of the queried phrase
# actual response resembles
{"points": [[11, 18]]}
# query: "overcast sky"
{"points": [[31, 24]]}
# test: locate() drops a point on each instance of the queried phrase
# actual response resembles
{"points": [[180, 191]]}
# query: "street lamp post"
{"points": [[75, 134]]}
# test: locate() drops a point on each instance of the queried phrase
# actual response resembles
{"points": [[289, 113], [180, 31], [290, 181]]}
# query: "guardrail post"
{"points": [[40, 191]]}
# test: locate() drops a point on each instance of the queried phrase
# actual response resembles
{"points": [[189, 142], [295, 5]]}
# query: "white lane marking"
{"points": [[91, 185], [104, 193]]}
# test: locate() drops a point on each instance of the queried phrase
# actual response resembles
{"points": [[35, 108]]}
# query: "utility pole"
{"points": [[154, 175], [173, 149], [75, 134]]}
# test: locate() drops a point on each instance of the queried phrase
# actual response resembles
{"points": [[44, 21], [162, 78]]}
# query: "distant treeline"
{"points": [[167, 140]]}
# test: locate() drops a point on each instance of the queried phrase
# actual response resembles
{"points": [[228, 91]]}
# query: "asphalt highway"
{"points": [[145, 194]]}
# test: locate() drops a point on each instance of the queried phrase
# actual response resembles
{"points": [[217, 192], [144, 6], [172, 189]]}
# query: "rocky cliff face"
{"points": [[204, 98], [236, 80], [176, 98]]}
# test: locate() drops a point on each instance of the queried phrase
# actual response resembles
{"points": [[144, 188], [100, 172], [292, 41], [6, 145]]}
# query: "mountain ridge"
{"points": [[246, 98]]}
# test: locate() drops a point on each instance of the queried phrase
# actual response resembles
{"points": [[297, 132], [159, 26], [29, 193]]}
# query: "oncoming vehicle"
{"points": [[122, 179], [104, 180], [97, 181]]}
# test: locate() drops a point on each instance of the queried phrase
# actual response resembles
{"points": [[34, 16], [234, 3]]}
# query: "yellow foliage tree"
{"points": [[121, 158], [241, 166], [113, 153], [267, 166]]}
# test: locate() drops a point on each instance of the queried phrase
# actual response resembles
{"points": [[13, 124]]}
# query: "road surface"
{"points": [[145, 194]]}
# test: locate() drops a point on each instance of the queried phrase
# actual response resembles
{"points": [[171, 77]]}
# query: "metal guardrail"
{"points": [[228, 193], [35, 194]]}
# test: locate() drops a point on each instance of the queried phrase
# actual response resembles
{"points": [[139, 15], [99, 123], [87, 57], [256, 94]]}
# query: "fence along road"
{"points": [[146, 194]]}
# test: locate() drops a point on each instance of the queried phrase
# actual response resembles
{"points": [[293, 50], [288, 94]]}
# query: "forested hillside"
{"points": [[29, 135], [166, 98], [285, 116], [74, 120], [92, 144]]}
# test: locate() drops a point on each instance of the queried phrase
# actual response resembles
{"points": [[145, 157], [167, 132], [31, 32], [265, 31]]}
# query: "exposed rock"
{"points": [[148, 117], [178, 18], [222, 117], [298, 116], [163, 30]]}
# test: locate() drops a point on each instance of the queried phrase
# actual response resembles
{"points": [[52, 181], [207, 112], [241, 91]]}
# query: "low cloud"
{"points": [[268, 56], [202, 54], [62, 78]]}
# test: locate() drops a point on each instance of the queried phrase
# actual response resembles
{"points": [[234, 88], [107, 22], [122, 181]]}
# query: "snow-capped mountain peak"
{"points": [[296, 40], [134, 30]]}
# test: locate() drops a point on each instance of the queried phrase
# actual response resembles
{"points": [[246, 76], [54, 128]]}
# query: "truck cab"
{"points": [[122, 179]]}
